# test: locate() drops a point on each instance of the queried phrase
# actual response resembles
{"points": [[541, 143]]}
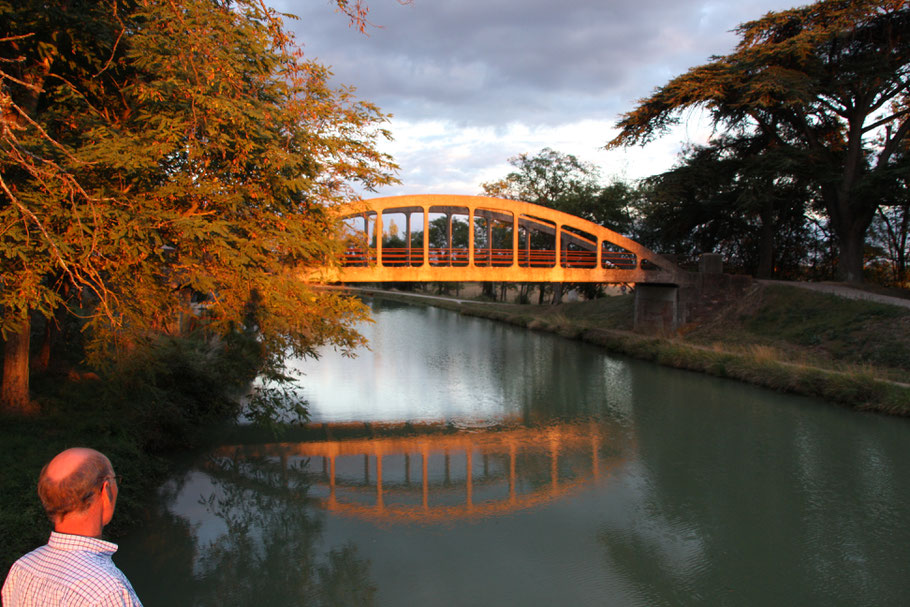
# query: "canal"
{"points": [[465, 462]]}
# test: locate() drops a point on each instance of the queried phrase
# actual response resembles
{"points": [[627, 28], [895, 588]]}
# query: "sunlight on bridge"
{"points": [[432, 238]]}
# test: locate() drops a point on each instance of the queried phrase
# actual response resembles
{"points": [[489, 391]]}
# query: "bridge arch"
{"points": [[479, 238]]}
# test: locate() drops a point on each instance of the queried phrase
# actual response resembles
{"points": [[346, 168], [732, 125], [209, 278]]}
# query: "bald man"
{"points": [[79, 491]]}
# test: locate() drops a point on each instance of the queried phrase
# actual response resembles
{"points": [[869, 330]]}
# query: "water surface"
{"points": [[465, 462]]}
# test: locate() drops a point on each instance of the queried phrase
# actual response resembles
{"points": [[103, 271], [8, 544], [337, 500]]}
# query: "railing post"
{"points": [[449, 238], [558, 244], [426, 236], [379, 236], [407, 227], [514, 239], [471, 236]]}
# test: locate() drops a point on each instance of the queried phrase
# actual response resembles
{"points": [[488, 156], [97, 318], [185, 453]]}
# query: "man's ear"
{"points": [[107, 488]]}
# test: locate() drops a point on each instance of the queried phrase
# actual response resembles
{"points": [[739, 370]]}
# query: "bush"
{"points": [[176, 388]]}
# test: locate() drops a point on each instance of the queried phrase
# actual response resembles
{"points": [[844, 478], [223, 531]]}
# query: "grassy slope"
{"points": [[817, 329]]}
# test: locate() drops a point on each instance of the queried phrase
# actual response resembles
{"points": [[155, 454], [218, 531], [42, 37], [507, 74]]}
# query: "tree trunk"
{"points": [[42, 360], [851, 244], [900, 246], [557, 293], [850, 219], [14, 396], [766, 240], [487, 290]]}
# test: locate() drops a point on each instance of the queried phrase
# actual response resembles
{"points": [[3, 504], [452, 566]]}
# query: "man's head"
{"points": [[75, 482]]}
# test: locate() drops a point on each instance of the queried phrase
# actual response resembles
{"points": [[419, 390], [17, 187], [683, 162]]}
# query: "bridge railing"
{"points": [[454, 256], [496, 258], [620, 261]]}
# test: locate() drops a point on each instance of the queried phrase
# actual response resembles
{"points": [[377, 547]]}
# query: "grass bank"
{"points": [[851, 352], [163, 400]]}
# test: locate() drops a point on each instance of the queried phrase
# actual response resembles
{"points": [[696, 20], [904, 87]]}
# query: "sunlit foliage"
{"points": [[166, 160]]}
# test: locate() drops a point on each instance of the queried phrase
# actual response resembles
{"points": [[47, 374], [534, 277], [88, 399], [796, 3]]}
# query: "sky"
{"points": [[473, 83]]}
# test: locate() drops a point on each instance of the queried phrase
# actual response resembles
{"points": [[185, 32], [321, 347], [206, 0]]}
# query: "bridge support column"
{"points": [[656, 308]]}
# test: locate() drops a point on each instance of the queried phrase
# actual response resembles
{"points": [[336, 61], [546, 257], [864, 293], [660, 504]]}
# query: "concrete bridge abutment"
{"points": [[657, 309], [662, 309]]}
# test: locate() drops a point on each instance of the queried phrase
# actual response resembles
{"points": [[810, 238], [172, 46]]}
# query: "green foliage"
{"points": [[565, 183], [439, 233], [827, 83], [180, 387], [274, 406], [734, 197], [550, 179]]}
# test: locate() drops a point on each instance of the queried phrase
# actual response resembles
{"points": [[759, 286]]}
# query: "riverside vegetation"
{"points": [[851, 352], [169, 397]]}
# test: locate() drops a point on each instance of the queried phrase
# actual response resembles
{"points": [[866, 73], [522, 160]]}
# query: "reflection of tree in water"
{"points": [[269, 554]]}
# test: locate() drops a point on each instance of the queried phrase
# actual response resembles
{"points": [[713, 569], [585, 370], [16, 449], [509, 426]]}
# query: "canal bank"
{"points": [[848, 351]]}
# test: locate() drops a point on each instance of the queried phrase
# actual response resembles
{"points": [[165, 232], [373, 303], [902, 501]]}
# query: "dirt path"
{"points": [[842, 291]]}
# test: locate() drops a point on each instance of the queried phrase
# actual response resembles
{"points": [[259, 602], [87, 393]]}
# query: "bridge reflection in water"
{"points": [[437, 477]]}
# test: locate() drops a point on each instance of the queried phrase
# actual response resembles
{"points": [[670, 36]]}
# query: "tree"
{"points": [[152, 149], [565, 183], [891, 231], [830, 82], [735, 196], [551, 179]]}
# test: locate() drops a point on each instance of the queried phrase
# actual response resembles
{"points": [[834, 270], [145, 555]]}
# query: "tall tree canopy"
{"points": [[738, 197], [156, 148], [830, 82]]}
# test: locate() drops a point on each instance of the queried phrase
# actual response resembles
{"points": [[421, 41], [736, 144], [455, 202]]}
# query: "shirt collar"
{"points": [[65, 541]]}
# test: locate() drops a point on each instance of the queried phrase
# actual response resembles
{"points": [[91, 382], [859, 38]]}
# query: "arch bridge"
{"points": [[433, 237]]}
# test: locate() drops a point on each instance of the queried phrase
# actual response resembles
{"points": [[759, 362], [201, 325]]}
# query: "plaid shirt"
{"points": [[69, 571]]}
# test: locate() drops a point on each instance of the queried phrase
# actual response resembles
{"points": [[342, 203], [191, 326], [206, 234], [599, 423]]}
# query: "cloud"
{"points": [[472, 83]]}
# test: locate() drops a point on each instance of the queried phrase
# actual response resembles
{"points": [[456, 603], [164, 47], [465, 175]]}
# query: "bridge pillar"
{"points": [[656, 308]]}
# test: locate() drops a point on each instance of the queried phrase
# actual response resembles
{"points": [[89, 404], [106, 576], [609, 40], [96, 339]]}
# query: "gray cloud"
{"points": [[473, 82], [490, 61]]}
